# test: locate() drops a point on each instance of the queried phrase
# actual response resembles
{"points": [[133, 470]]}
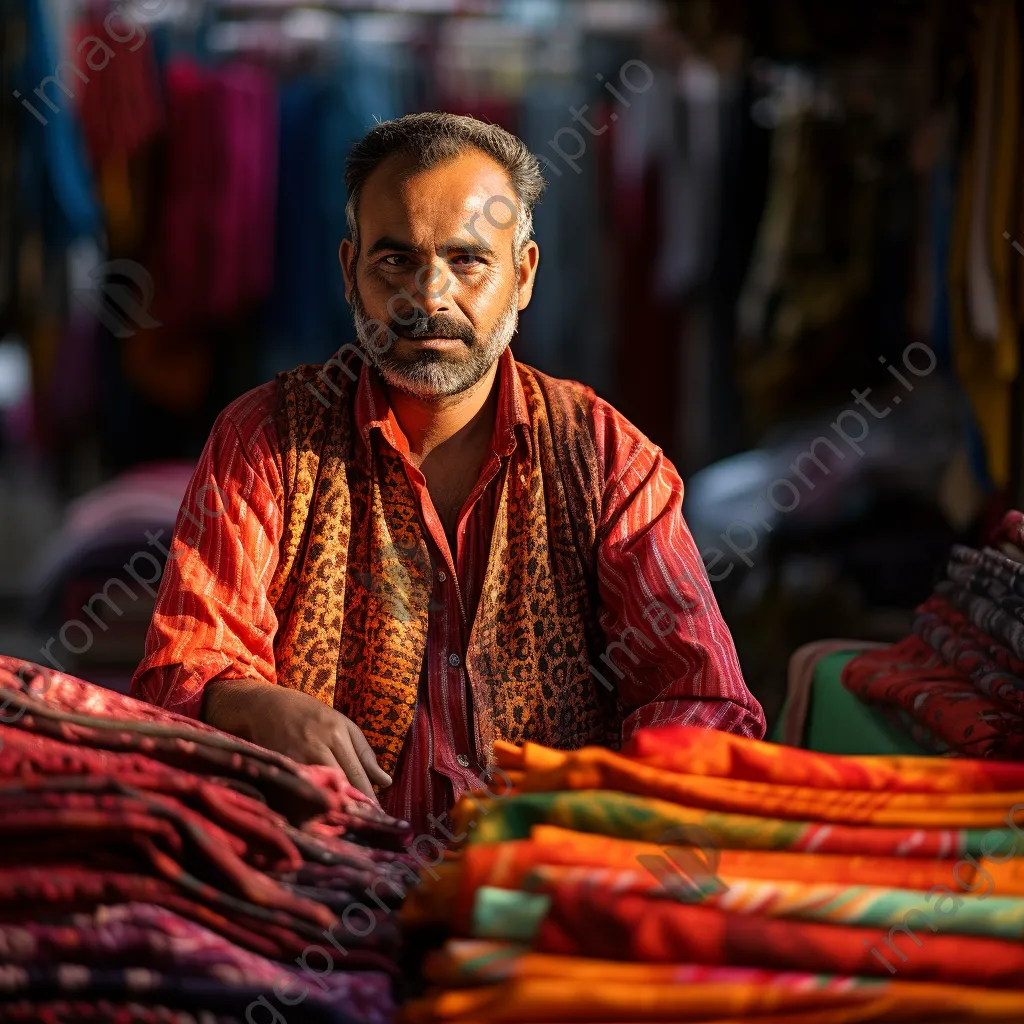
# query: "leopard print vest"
{"points": [[353, 547]]}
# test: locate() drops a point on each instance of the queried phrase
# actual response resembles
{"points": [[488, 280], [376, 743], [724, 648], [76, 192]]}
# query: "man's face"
{"points": [[437, 286]]}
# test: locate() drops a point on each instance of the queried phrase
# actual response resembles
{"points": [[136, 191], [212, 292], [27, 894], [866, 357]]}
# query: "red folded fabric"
{"points": [[913, 676], [1010, 530], [67, 1011], [162, 829], [95, 796], [631, 927], [695, 751], [990, 665], [142, 935], [32, 763], [27, 892], [69, 709]]}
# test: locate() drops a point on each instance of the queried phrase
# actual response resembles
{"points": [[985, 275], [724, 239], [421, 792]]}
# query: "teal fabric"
{"points": [[508, 914]]}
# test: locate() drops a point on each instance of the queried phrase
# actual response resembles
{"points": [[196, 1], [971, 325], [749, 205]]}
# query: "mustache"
{"points": [[441, 325]]}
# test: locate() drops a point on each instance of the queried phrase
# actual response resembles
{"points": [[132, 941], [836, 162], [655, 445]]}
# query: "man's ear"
{"points": [[347, 257], [528, 262]]}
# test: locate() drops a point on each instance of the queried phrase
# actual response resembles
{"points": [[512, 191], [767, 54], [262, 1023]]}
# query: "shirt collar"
{"points": [[511, 425]]}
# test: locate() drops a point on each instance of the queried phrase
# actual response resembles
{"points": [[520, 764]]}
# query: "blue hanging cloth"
{"points": [[53, 162]]}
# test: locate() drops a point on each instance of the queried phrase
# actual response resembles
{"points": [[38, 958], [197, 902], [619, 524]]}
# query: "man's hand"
{"points": [[295, 724]]}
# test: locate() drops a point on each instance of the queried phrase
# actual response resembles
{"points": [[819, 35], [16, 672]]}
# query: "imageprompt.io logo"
{"points": [[391, 585], [687, 865], [122, 297]]}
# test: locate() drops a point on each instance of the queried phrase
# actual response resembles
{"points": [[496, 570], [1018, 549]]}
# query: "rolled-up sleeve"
{"points": [[212, 618], [669, 652]]}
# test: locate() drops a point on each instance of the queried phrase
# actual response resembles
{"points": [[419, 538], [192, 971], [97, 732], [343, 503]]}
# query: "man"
{"points": [[426, 545]]}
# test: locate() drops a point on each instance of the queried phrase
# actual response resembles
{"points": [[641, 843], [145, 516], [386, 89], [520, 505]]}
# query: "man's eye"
{"points": [[465, 260], [403, 260]]}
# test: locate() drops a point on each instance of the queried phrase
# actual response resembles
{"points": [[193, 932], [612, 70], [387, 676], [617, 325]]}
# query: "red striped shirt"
{"points": [[669, 651]]}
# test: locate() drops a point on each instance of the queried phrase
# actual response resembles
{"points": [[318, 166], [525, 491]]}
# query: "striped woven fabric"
{"points": [[710, 878]]}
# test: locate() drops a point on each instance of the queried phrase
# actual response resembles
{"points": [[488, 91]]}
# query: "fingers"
{"points": [[350, 764], [319, 753], [366, 757]]}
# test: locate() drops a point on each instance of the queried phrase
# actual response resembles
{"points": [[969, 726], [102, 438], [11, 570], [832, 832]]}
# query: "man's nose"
{"points": [[432, 282]]}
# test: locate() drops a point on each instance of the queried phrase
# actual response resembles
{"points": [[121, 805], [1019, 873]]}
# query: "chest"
{"points": [[451, 482]]}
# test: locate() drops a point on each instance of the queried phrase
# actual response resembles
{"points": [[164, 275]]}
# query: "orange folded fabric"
{"points": [[599, 769], [586, 849], [696, 751], [590, 999], [432, 900], [507, 865], [543, 988]]}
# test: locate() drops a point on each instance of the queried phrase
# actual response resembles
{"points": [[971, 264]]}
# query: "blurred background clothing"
{"points": [[784, 238]]}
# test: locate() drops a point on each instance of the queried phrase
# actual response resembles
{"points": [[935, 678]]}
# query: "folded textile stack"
{"points": [[957, 683], [154, 868], [700, 876]]}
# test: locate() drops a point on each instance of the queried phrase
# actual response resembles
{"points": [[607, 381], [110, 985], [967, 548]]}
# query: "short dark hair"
{"points": [[433, 138]]}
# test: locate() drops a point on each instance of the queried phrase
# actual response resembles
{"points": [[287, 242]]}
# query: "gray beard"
{"points": [[431, 374]]}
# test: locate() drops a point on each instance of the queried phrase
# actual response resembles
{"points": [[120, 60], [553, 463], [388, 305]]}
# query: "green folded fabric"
{"points": [[513, 915], [840, 723], [624, 816], [508, 914]]}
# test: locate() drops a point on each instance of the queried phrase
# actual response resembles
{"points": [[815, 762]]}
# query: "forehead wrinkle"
{"points": [[434, 204]]}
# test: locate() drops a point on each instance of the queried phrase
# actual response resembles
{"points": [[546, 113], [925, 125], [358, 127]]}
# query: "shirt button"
{"points": [[463, 760], [453, 660], [442, 576]]}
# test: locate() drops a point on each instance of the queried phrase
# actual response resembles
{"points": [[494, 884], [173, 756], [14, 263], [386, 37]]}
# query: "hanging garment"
{"points": [[53, 156], [243, 194], [306, 268], [983, 320], [565, 330], [634, 190], [122, 114]]}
